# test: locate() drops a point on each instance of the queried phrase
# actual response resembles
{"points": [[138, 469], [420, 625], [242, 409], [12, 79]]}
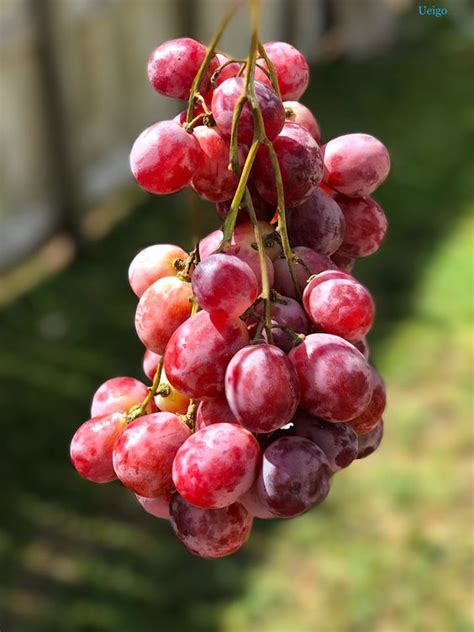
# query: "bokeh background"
{"points": [[391, 548]]}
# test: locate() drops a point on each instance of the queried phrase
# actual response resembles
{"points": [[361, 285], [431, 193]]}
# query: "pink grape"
{"points": [[174, 402], [224, 285], [294, 476], [118, 395], [341, 307], [181, 117], [213, 180], [164, 158], [229, 71], [210, 533], [92, 446], [225, 99], [291, 69], [312, 263], [366, 226], [372, 414], [343, 262], [199, 351], [355, 164], [158, 507], [301, 166], [251, 501], [250, 256], [370, 441], [288, 313], [174, 64], [216, 465], [243, 235], [151, 361], [301, 115], [153, 263], [262, 388], [335, 377], [213, 411], [143, 454], [162, 308], [321, 277], [363, 346], [317, 223], [337, 441]]}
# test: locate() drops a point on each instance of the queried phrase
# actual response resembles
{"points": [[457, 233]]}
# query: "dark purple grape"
{"points": [[370, 441]]}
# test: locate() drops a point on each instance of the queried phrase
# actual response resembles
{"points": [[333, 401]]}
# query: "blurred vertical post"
{"points": [[65, 192], [186, 16], [289, 20]]}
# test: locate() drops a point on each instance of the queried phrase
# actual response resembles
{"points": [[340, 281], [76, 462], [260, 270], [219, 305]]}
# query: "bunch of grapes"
{"points": [[256, 340]]}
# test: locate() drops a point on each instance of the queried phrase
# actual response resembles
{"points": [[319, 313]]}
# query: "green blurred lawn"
{"points": [[391, 549]]}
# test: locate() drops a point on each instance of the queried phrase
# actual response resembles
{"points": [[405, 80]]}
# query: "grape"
{"points": [[337, 441], [288, 313], [254, 505], [153, 263], [143, 454], [118, 395], [301, 166], [250, 256], [321, 277], [355, 164], [213, 411], [174, 402], [301, 115], [370, 441], [164, 158], [363, 346], [343, 262], [370, 417], [213, 180], [158, 507], [294, 476], [224, 285], [243, 235], [334, 376], [181, 117], [210, 533], [92, 445], [262, 388], [225, 99], [151, 361], [173, 66], [216, 465], [291, 69], [199, 351], [366, 226], [263, 210], [231, 70], [317, 223], [312, 263], [341, 307], [162, 308]]}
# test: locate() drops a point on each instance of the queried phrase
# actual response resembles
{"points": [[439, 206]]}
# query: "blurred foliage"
{"points": [[391, 549]]}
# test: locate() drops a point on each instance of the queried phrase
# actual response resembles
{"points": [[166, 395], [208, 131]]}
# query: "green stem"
{"points": [[138, 411]]}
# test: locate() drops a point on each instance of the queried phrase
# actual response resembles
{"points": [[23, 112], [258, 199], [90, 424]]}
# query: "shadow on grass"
{"points": [[75, 556]]}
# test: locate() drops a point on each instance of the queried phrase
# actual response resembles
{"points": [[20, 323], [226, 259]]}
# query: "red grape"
{"points": [[174, 64], [355, 164], [370, 417], [294, 476], [162, 308], [213, 411], [263, 210], [199, 351], [253, 504], [164, 158], [144, 453], [363, 347], [313, 263], [92, 446], [343, 262], [334, 376], [250, 256], [291, 69], [301, 166], [337, 441], [216, 465], [118, 395], [288, 313], [158, 507], [213, 180], [151, 361], [262, 388], [317, 223], [370, 441], [301, 115], [321, 277], [224, 285], [210, 533], [225, 99], [229, 71], [243, 235], [366, 225], [341, 307], [153, 263], [174, 402]]}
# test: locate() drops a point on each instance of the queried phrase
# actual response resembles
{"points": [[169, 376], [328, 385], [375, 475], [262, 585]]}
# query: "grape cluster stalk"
{"points": [[255, 341]]}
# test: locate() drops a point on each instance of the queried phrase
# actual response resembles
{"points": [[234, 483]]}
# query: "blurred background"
{"points": [[391, 549]]}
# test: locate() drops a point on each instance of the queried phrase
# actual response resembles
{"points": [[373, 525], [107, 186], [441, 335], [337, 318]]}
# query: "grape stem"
{"points": [[138, 411], [190, 417]]}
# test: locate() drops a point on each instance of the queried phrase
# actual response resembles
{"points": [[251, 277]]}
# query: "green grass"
{"points": [[391, 549]]}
